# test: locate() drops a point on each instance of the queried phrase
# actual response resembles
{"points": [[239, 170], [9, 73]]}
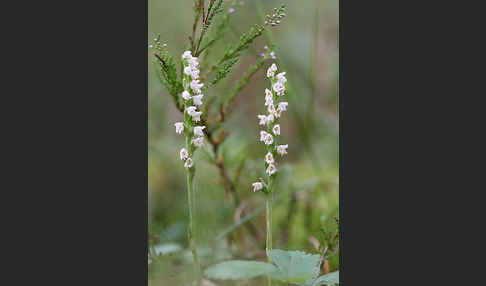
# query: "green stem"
{"points": [[269, 226], [191, 231]]}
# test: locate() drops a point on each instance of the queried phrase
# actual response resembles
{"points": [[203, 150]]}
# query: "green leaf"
{"points": [[166, 248], [239, 269], [294, 266], [328, 279]]}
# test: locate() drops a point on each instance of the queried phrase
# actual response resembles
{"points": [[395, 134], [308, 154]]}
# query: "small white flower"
{"points": [[195, 74], [263, 134], [272, 55], [186, 95], [184, 154], [283, 105], [192, 71], [198, 130], [231, 10], [278, 112], [268, 101], [188, 164], [257, 186], [281, 77], [196, 116], [279, 88], [271, 70], [271, 170], [268, 94], [151, 46], [276, 129], [263, 119], [197, 99], [190, 110], [282, 149], [269, 158], [268, 139], [270, 118], [193, 62], [188, 70], [187, 55], [271, 108], [196, 86], [265, 47], [198, 141], [179, 127]]}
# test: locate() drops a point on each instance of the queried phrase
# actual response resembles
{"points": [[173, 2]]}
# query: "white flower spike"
{"points": [[179, 127], [192, 86], [270, 120]]}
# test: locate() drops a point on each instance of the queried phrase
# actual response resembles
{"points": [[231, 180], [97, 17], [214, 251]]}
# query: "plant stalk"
{"points": [[269, 224], [191, 229], [269, 206]]}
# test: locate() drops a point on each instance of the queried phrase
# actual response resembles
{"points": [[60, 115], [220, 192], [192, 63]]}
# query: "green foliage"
{"points": [[217, 33], [244, 81], [167, 73], [166, 248], [295, 266], [239, 269], [328, 279], [232, 55], [213, 12], [223, 70]]}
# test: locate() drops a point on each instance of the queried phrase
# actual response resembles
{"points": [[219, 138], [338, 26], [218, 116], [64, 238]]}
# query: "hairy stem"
{"points": [[191, 199]]}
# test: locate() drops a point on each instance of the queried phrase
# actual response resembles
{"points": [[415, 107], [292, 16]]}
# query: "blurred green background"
{"points": [[307, 188]]}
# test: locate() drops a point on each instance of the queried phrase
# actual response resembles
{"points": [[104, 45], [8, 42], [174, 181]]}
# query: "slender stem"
{"points": [[191, 230], [269, 224]]}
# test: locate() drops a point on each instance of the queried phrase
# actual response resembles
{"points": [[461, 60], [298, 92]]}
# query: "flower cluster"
{"points": [[270, 121], [268, 55], [274, 19], [192, 98]]}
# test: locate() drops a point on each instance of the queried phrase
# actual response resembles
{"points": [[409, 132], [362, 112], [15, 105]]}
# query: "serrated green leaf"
{"points": [[239, 269], [328, 279], [294, 266]]}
